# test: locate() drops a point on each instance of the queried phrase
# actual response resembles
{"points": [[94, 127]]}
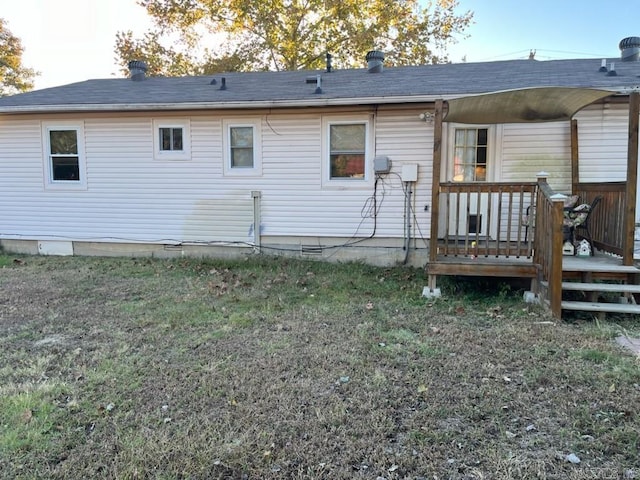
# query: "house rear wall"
{"points": [[133, 199]]}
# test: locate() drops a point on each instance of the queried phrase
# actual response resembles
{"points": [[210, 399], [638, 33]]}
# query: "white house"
{"points": [[331, 164]]}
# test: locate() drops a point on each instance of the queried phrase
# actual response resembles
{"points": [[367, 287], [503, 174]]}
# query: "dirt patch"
{"points": [[630, 344], [49, 340]]}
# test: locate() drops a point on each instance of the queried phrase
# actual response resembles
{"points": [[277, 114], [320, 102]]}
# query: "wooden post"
{"points": [[555, 273], [541, 178], [435, 186], [632, 179], [575, 170]]}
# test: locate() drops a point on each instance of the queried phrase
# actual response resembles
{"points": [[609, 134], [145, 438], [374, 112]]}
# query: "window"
{"points": [[347, 147], [470, 155], [242, 151], [171, 139], [241, 147], [347, 152], [64, 155]]}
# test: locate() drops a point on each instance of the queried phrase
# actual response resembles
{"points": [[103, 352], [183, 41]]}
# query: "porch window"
{"points": [[470, 155]]}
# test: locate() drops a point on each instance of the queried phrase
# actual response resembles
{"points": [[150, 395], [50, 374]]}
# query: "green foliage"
{"points": [[289, 35], [14, 77]]}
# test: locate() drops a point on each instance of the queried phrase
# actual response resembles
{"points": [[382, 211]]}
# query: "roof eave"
{"points": [[139, 107]]}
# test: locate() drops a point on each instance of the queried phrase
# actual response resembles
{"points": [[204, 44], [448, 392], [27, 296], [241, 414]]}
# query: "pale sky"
{"points": [[73, 40]]}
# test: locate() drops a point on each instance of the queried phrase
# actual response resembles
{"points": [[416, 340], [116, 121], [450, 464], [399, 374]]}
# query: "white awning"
{"points": [[541, 104]]}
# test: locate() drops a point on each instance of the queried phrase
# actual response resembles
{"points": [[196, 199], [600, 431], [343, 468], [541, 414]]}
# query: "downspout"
{"points": [[257, 196], [407, 221]]}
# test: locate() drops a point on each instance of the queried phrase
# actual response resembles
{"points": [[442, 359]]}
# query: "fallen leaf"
{"points": [[573, 458], [369, 305], [422, 388], [612, 388], [26, 416]]}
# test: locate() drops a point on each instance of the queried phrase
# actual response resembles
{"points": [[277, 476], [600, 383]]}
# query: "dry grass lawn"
{"points": [[278, 369]]}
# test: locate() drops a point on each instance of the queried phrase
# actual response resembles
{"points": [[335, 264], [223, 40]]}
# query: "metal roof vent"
{"points": [[137, 70], [374, 61], [630, 49]]}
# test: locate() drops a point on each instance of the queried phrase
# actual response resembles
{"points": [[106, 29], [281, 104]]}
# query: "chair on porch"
{"points": [[528, 219], [584, 226]]}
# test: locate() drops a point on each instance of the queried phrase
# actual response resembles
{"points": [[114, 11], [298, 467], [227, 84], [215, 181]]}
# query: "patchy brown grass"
{"points": [[279, 369]]}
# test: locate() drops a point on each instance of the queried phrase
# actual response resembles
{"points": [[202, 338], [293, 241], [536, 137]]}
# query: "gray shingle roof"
{"points": [[340, 87]]}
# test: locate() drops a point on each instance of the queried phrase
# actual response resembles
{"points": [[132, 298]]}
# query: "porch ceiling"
{"points": [[540, 104]]}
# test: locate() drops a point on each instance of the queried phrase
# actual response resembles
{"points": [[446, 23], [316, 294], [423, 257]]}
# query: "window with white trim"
{"points": [[346, 151], [64, 161], [470, 155], [242, 152], [171, 139]]}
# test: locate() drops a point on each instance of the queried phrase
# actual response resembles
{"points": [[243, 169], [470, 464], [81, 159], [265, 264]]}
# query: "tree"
{"points": [[14, 77], [290, 34]]}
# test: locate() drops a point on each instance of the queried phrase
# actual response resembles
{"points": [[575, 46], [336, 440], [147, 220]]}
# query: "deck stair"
{"points": [[598, 277]]}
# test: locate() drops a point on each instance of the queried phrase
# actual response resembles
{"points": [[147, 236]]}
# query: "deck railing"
{"points": [[607, 221], [548, 241], [488, 219]]}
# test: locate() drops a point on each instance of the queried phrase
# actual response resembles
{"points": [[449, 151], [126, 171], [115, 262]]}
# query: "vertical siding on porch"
{"points": [[602, 143]]}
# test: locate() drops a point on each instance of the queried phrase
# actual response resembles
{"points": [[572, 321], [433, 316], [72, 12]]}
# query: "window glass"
{"points": [[171, 139], [347, 150], [63, 142], [470, 155], [65, 162], [241, 147]]}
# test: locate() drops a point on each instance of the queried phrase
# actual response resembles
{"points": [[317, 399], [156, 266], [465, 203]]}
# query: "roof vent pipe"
{"points": [[630, 49], [137, 70], [374, 61], [329, 66], [603, 66]]}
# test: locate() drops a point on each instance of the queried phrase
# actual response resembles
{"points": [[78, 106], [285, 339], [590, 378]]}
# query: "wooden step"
{"points": [[602, 307], [598, 287], [597, 264]]}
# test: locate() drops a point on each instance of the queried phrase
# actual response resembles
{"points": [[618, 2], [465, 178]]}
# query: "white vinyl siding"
{"points": [[603, 132], [529, 148], [132, 197]]}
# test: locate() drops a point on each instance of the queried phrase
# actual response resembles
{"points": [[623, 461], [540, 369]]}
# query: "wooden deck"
{"points": [[599, 265]]}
